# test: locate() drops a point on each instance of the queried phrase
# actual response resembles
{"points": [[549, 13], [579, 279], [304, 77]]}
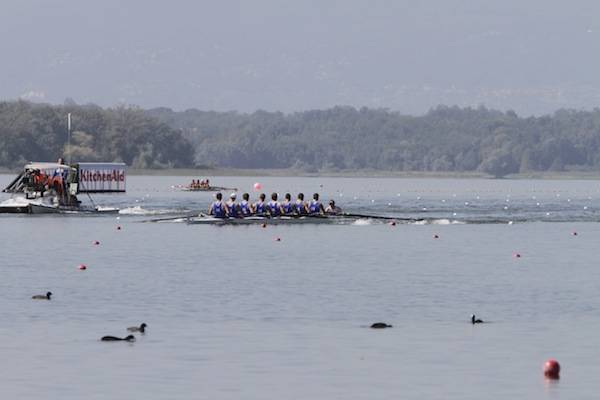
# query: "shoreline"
{"points": [[228, 172]]}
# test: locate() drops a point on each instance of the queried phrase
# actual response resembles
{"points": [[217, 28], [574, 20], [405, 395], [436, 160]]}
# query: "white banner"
{"points": [[102, 177]]}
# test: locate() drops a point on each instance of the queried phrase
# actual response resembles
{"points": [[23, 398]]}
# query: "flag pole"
{"points": [[69, 139]]}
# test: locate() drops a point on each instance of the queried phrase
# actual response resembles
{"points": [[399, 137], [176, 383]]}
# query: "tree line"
{"points": [[39, 132], [346, 138], [335, 139]]}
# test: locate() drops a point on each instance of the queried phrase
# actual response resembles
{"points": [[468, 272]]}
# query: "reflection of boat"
{"points": [[206, 188], [44, 188], [291, 220]]}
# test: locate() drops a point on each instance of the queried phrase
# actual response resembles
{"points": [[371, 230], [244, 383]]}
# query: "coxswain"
{"points": [[315, 206], [332, 208], [287, 207], [260, 207], [245, 206], [218, 208], [273, 206], [300, 205], [232, 206]]}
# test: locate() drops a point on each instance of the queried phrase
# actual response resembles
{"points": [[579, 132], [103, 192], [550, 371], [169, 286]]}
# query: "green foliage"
{"points": [[445, 139], [340, 138], [31, 132]]}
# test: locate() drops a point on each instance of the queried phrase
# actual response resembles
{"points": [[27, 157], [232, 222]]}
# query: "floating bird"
{"points": [[380, 325], [141, 328], [474, 320], [129, 338], [42, 296]]}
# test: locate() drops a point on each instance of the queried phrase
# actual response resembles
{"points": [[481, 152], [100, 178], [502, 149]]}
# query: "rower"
{"points": [[232, 206], [218, 209], [287, 207], [332, 208], [245, 206], [260, 207], [274, 207], [315, 206], [300, 205]]}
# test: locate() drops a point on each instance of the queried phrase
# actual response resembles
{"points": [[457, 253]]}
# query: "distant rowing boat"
{"points": [[206, 189]]}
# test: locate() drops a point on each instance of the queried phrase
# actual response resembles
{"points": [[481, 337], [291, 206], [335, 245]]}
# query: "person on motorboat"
{"points": [[332, 208], [315, 206], [232, 206], [218, 208], [274, 207], [287, 207], [246, 208], [300, 206], [260, 207], [39, 181]]}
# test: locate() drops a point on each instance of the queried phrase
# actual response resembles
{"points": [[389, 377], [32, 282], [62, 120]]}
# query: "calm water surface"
{"points": [[234, 314]]}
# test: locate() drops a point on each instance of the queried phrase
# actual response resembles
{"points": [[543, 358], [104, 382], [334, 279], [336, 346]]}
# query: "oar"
{"points": [[353, 215], [174, 218]]}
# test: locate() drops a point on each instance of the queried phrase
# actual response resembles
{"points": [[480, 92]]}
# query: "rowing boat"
{"points": [[207, 189], [287, 220]]}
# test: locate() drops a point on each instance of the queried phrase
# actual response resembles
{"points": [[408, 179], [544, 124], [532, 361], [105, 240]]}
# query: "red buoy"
{"points": [[82, 267], [552, 369]]}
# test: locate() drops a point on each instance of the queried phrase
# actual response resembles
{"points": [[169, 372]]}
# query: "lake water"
{"points": [[234, 314]]}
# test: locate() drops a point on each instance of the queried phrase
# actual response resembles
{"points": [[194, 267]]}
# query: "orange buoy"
{"points": [[552, 369], [82, 267]]}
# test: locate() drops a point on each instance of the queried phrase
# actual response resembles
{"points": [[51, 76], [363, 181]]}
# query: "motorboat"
{"points": [[52, 188]]}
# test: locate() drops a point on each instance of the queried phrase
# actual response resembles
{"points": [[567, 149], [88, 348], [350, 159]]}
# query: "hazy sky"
{"points": [[531, 56]]}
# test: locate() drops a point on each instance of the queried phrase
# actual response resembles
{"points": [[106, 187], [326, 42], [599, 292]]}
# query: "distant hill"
{"points": [[346, 138]]}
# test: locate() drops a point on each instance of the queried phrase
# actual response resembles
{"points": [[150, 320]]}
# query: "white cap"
{"points": [[232, 196]]}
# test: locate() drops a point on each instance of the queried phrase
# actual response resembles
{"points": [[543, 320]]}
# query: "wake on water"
{"points": [[139, 210]]}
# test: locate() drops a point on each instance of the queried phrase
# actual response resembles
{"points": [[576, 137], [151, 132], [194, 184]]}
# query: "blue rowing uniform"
{"points": [[314, 206], [259, 207], [245, 208], [300, 209], [288, 209], [232, 207], [218, 210], [274, 208]]}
